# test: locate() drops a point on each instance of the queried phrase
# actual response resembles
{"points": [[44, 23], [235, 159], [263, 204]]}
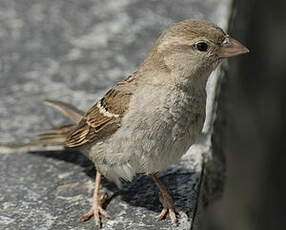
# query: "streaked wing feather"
{"points": [[104, 118]]}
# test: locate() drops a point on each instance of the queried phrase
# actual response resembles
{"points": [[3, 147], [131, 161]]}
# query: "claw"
{"points": [[97, 212], [183, 215], [162, 215], [87, 215], [98, 201], [168, 203], [172, 213], [173, 216]]}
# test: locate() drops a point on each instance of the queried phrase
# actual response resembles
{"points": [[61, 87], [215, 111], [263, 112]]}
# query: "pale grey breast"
{"points": [[158, 128]]}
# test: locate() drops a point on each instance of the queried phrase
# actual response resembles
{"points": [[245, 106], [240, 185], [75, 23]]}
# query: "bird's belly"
{"points": [[164, 147], [149, 139], [152, 145]]}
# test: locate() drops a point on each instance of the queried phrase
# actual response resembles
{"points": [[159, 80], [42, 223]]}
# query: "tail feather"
{"points": [[57, 135], [68, 110], [31, 147], [51, 140]]}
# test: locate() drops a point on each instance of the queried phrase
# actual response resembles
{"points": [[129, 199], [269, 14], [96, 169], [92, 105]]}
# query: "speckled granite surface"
{"points": [[74, 51]]}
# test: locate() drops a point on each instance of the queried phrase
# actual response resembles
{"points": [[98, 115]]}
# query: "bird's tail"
{"points": [[51, 140]]}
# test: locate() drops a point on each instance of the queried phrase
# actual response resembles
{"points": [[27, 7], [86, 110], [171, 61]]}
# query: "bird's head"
{"points": [[192, 48]]}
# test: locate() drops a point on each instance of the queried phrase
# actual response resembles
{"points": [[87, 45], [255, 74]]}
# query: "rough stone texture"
{"points": [[74, 51]]}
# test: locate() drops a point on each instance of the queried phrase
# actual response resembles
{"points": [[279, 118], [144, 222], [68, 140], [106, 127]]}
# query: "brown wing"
{"points": [[104, 118]]}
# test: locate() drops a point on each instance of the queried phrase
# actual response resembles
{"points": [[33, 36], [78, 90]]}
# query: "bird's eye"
{"points": [[201, 46]]}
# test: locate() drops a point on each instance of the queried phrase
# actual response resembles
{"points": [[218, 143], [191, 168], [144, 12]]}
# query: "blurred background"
{"points": [[253, 110]]}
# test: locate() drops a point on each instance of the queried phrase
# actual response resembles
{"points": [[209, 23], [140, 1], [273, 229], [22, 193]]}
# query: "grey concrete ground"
{"points": [[74, 51]]}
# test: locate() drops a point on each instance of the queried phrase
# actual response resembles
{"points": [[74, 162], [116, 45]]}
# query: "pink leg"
{"points": [[98, 200], [167, 202]]}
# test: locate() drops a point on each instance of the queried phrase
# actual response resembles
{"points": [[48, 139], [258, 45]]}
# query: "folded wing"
{"points": [[104, 118]]}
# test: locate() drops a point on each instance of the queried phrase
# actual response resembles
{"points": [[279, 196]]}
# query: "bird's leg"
{"points": [[97, 202], [167, 202]]}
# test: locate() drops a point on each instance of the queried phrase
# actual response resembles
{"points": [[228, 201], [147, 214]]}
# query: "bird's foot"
{"points": [[97, 211], [172, 212], [169, 208]]}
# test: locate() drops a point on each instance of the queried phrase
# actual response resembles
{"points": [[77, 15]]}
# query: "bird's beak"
{"points": [[231, 47]]}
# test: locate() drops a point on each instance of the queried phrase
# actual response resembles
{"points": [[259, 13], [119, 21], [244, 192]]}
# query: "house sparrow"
{"points": [[148, 121]]}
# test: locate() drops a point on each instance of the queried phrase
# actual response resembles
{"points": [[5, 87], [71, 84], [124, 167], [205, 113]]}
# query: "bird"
{"points": [[147, 121]]}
